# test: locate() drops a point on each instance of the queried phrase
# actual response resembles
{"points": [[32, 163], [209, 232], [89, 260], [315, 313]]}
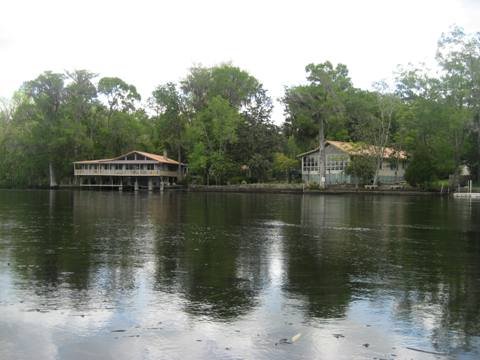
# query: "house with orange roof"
{"points": [[136, 169], [338, 155]]}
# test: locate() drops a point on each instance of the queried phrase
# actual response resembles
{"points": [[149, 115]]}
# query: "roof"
{"points": [[159, 158], [360, 149]]}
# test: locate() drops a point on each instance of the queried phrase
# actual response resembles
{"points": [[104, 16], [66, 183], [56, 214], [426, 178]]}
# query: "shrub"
{"points": [[362, 168]]}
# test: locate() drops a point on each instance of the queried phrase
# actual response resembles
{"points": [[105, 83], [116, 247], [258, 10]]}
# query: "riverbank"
{"points": [[300, 189], [117, 187], [262, 188]]}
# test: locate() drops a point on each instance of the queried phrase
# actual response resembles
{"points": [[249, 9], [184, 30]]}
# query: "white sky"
{"points": [[147, 43]]}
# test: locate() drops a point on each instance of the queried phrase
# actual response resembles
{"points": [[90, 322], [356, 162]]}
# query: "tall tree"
{"points": [[171, 119], [47, 92], [317, 103], [81, 104], [258, 137], [245, 95], [119, 95], [375, 127], [425, 124], [231, 83], [213, 129], [459, 55], [120, 125]]}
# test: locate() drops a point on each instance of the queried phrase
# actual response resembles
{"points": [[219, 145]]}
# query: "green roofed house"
{"points": [[136, 169], [338, 154]]}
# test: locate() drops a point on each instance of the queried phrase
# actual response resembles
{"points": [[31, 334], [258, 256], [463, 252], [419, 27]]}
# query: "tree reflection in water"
{"points": [[226, 257]]}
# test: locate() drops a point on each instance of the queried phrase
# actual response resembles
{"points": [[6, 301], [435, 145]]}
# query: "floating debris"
{"points": [[338, 336], [289, 341], [366, 345], [427, 352], [282, 341], [296, 337]]}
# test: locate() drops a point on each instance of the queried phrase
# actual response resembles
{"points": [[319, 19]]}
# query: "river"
{"points": [[108, 275]]}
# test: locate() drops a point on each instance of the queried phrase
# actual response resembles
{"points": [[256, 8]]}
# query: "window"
{"points": [[310, 163], [336, 162]]}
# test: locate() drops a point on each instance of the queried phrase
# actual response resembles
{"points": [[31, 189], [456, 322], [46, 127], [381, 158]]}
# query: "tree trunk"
{"points": [[478, 153], [53, 181], [378, 164], [179, 159], [321, 153]]}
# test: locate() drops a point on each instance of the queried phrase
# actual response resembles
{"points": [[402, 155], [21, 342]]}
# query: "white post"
{"points": [[301, 170]]}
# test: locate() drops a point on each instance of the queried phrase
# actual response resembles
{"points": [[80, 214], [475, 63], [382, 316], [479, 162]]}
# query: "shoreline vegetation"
{"points": [[301, 189], [218, 121], [268, 188]]}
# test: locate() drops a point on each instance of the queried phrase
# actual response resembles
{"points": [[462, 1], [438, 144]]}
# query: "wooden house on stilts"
{"points": [[136, 169]]}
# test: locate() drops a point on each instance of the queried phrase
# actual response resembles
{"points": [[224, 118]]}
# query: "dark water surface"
{"points": [[107, 275]]}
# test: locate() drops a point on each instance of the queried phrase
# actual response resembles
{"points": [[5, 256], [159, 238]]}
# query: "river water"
{"points": [[108, 275]]}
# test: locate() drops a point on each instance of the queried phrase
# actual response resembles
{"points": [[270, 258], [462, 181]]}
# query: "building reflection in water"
{"points": [[410, 266]]}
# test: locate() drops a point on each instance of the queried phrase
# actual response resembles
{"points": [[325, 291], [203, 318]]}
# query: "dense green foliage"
{"points": [[436, 119], [362, 168], [218, 120]]}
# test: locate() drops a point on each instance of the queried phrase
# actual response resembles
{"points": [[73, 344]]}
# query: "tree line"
{"points": [[218, 120]]}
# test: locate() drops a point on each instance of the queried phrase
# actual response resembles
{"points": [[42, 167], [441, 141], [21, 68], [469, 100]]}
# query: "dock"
{"points": [[466, 195]]}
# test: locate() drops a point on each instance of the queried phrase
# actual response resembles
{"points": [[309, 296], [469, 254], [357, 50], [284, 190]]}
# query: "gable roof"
{"points": [[352, 148], [159, 158]]}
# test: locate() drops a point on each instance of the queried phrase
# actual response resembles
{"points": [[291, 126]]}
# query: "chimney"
{"points": [[165, 154]]}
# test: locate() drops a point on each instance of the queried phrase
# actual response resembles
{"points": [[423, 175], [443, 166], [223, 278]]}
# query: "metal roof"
{"points": [[360, 149], [158, 158]]}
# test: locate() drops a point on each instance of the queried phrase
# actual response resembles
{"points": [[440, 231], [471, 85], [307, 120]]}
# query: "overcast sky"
{"points": [[151, 42]]}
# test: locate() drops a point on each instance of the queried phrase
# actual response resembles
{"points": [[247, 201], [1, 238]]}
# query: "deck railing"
{"points": [[112, 172]]}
